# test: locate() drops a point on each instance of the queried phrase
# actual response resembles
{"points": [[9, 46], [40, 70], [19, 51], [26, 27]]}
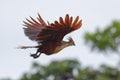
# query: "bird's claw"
{"points": [[34, 55]]}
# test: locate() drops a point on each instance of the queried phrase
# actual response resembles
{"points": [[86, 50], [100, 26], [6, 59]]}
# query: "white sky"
{"points": [[94, 13]]}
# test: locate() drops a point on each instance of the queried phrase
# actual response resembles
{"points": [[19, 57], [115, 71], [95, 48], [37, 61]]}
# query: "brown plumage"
{"points": [[50, 36]]}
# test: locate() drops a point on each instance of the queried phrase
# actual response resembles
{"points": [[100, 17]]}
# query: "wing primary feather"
{"points": [[35, 22], [32, 23], [41, 20], [70, 21], [27, 24], [56, 23], [48, 23], [61, 21], [75, 21], [78, 24], [67, 20]]}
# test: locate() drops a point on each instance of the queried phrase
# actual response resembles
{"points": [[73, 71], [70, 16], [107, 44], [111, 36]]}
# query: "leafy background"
{"points": [[97, 42]]}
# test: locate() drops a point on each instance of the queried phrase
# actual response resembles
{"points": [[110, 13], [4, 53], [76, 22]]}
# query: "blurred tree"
{"points": [[5, 79], [107, 39], [56, 70], [68, 70]]}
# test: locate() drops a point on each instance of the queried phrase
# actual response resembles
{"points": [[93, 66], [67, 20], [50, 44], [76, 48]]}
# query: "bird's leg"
{"points": [[36, 55]]}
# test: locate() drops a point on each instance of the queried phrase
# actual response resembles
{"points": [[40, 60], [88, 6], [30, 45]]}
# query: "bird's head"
{"points": [[71, 42]]}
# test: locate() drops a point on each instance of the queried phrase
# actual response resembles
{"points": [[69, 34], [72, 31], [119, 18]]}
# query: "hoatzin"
{"points": [[49, 36]]}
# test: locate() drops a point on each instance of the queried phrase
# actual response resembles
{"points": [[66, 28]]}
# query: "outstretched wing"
{"points": [[33, 27], [64, 26], [41, 32]]}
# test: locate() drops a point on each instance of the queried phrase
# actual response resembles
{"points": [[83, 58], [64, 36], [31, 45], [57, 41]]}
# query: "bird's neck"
{"points": [[66, 44], [62, 46]]}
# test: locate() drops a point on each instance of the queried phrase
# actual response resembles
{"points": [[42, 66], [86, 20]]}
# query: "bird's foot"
{"points": [[35, 55]]}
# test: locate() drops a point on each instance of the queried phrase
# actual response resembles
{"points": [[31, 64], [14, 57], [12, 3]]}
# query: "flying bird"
{"points": [[49, 36]]}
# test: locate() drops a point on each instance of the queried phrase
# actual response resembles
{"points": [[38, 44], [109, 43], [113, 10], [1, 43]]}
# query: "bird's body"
{"points": [[51, 48], [50, 36]]}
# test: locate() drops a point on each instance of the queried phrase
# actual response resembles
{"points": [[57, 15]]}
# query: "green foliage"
{"points": [[56, 70], [107, 39], [5, 79], [69, 70]]}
